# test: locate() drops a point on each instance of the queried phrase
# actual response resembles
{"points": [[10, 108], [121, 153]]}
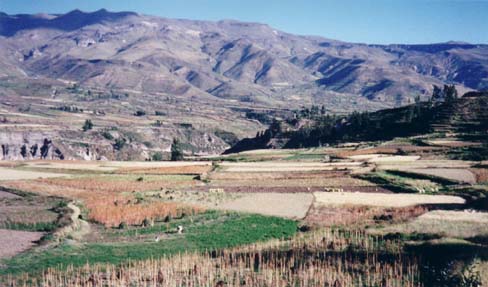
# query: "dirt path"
{"points": [[78, 227]]}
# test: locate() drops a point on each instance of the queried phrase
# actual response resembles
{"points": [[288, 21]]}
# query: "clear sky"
{"points": [[366, 21]]}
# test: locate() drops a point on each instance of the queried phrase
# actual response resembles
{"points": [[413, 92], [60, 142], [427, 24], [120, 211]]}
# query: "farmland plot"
{"points": [[289, 205], [14, 174], [382, 199]]}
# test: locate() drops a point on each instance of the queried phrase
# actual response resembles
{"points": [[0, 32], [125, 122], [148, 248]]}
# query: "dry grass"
{"points": [[287, 166], [110, 200], [383, 199], [121, 183], [187, 169], [461, 175], [481, 174], [327, 216], [275, 175], [457, 224], [304, 182], [266, 264], [113, 210]]}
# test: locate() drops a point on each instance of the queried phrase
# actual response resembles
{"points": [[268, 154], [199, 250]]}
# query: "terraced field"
{"points": [[365, 200]]}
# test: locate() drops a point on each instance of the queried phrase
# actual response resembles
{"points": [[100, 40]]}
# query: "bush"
{"points": [[107, 135], [122, 225], [176, 151], [88, 125], [140, 113], [119, 143], [157, 156]]}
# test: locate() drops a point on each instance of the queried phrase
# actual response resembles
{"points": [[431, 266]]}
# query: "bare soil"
{"points": [[13, 242]]}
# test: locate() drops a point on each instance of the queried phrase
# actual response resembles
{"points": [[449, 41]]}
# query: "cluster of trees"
{"points": [[446, 94], [310, 113], [70, 109]]}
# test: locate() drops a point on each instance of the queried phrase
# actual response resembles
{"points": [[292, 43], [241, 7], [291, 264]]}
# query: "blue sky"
{"points": [[366, 21]]}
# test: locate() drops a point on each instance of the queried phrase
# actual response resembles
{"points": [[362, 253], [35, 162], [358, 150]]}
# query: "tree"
{"points": [[450, 93], [88, 125], [157, 156], [119, 143], [437, 95], [176, 150]]}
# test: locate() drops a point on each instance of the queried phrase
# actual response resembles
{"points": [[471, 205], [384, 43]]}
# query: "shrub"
{"points": [[176, 150], [140, 113], [157, 156], [107, 135], [123, 225], [88, 125], [119, 143]]}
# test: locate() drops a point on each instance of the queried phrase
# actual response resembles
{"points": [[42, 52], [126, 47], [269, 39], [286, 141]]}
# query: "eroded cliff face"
{"points": [[71, 145]]}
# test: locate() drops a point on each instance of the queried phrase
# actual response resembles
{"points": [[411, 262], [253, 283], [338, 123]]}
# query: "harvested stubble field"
{"points": [[184, 169], [325, 215], [286, 166], [326, 258], [455, 224], [456, 174], [383, 199], [481, 175], [294, 182], [274, 175]]}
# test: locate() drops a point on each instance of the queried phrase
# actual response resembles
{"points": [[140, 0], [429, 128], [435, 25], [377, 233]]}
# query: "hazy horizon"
{"points": [[370, 22]]}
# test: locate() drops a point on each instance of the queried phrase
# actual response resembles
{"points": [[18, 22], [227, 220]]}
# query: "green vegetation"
{"points": [[404, 182], [209, 231], [139, 113], [157, 156], [36, 226], [119, 143], [176, 150], [88, 125], [107, 135]]}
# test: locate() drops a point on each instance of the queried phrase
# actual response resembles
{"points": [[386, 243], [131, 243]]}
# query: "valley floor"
{"points": [[356, 215]]}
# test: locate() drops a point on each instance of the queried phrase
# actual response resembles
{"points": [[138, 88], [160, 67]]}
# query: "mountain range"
{"points": [[231, 60], [145, 80]]}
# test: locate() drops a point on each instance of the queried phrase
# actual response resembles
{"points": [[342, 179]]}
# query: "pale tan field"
{"points": [[286, 166], [305, 182], [395, 158], [13, 241], [382, 199], [107, 166], [289, 205], [425, 164], [14, 174], [457, 174], [457, 224]]}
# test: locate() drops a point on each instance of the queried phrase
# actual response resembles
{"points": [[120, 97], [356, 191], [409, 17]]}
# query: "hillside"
{"points": [[465, 117], [203, 82], [229, 59]]}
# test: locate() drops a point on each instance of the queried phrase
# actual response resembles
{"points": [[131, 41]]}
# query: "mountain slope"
{"points": [[465, 117], [247, 62]]}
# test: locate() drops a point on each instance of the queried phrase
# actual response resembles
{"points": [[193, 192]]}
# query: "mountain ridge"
{"points": [[234, 60]]}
